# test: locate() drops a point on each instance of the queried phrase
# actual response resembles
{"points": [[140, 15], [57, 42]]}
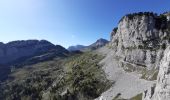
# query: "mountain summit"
{"points": [[99, 43]]}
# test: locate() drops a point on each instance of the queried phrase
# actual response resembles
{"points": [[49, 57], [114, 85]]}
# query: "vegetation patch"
{"points": [[84, 77], [137, 97], [72, 78], [145, 73], [149, 74]]}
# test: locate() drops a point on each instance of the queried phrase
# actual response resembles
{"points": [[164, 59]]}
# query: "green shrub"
{"points": [[86, 77], [115, 29], [161, 22], [163, 46], [137, 97]]}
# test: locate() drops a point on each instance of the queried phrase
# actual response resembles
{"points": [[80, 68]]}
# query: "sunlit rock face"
{"points": [[141, 39], [162, 89], [168, 15]]}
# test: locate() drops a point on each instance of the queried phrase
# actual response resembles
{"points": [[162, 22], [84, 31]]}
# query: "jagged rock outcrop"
{"points": [[141, 38], [162, 89], [18, 51]]}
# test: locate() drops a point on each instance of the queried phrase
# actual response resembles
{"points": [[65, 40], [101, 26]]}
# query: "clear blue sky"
{"points": [[68, 22]]}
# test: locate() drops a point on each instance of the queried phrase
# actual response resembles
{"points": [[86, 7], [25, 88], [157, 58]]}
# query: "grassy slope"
{"points": [[77, 77]]}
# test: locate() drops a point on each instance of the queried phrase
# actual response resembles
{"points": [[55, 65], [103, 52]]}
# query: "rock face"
{"points": [[20, 50], [168, 15], [141, 38], [162, 89]]}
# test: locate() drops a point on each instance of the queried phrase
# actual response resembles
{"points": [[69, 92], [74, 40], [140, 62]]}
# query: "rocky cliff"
{"points": [[137, 47], [18, 51], [141, 38], [162, 89]]}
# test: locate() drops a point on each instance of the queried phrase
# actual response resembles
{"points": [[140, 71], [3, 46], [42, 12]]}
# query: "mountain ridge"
{"points": [[14, 50], [99, 43]]}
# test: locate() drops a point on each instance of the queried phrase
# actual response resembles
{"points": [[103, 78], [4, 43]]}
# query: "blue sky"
{"points": [[68, 22]]}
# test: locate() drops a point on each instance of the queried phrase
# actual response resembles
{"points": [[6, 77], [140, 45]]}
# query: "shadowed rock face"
{"points": [[162, 89], [141, 39], [20, 50]]}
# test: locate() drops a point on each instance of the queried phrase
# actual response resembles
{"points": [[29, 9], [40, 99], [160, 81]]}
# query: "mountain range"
{"points": [[99, 43], [27, 52], [133, 65], [18, 51]]}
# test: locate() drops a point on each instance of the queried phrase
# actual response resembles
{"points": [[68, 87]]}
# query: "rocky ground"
{"points": [[126, 85]]}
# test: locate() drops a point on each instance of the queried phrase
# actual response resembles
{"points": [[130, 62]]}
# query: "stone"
{"points": [[162, 89]]}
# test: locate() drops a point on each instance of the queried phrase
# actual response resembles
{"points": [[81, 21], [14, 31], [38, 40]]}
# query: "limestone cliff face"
{"points": [[19, 50], [141, 38], [162, 89]]}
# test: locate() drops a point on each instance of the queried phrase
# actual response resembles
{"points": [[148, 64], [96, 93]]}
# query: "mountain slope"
{"points": [[98, 44], [78, 77], [126, 84], [77, 47], [18, 51]]}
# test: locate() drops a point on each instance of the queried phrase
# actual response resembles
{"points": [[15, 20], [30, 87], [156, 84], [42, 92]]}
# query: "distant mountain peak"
{"points": [[102, 40], [99, 43], [77, 47]]}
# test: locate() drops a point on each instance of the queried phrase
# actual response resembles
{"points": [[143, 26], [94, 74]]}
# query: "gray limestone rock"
{"points": [[162, 89], [141, 39]]}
